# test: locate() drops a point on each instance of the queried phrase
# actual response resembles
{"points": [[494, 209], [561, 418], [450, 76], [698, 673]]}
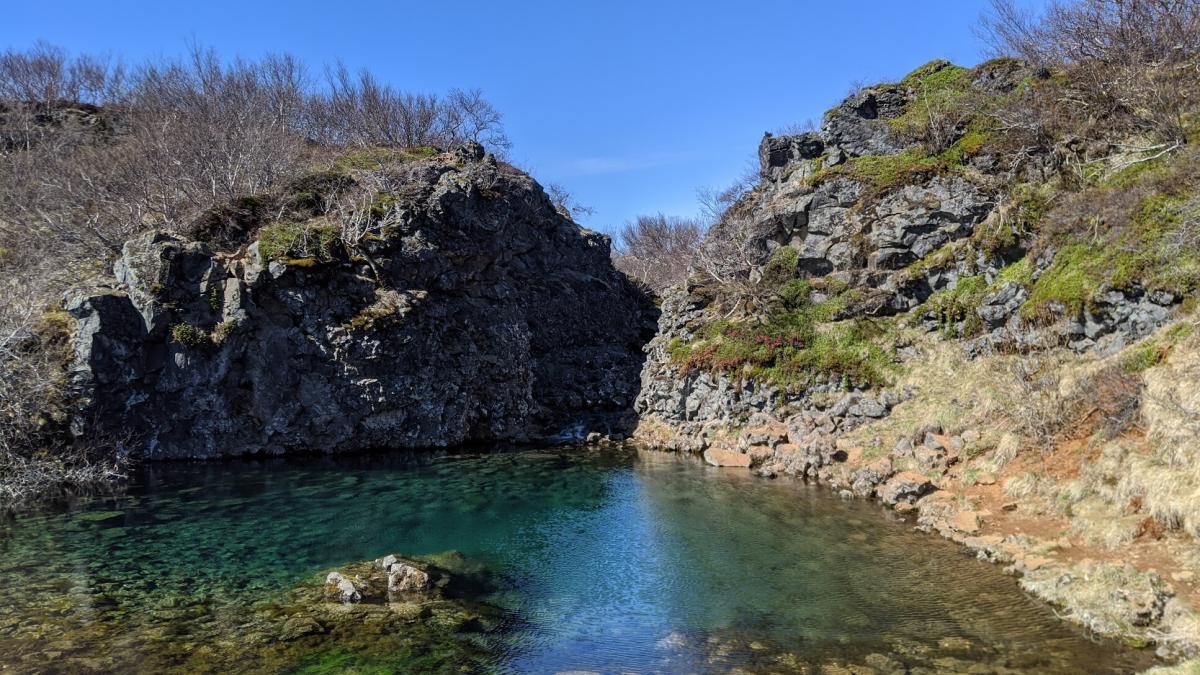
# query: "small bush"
{"points": [[190, 336], [781, 267], [222, 331]]}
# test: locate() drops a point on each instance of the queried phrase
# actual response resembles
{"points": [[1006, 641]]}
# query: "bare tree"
{"points": [[657, 249], [359, 110], [467, 116]]}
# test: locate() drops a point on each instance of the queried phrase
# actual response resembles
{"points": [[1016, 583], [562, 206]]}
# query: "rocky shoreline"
{"points": [[1108, 597]]}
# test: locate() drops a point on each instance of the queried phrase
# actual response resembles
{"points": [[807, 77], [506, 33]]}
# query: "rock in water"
{"points": [[338, 587], [403, 577], [479, 313]]}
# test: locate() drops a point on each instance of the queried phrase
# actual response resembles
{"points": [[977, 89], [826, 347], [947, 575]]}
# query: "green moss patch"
{"points": [[955, 307], [314, 239], [1147, 254], [793, 347]]}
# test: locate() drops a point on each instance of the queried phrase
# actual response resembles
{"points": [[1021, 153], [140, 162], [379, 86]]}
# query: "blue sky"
{"points": [[631, 106]]}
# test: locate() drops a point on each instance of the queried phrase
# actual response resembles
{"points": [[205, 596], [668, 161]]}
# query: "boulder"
{"points": [[341, 589], [906, 486], [967, 522], [726, 457], [404, 578], [865, 479]]}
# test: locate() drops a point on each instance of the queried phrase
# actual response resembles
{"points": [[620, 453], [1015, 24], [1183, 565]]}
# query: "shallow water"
{"points": [[620, 562]]}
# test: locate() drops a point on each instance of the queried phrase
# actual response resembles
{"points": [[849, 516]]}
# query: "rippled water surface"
{"points": [[627, 562]]}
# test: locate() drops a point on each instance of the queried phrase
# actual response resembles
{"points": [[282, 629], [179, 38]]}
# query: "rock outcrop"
{"points": [[479, 314], [899, 233]]}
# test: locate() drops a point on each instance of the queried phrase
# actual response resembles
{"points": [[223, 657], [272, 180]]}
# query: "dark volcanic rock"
{"points": [[493, 317]]}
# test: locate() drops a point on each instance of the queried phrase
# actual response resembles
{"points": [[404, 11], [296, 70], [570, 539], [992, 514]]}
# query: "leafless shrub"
{"points": [[715, 202], [360, 110], [359, 215], [33, 345], [31, 480], [48, 96], [1186, 236], [1130, 63], [1044, 405], [1036, 407], [657, 250], [565, 203]]}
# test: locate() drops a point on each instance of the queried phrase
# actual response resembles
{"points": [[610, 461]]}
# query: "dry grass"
{"points": [[950, 391], [1112, 449], [1167, 479]]}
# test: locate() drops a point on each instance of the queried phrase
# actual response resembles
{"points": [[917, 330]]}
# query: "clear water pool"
{"points": [[618, 562]]}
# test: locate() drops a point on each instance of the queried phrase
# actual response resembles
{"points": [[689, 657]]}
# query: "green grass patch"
{"points": [[939, 75], [287, 240], [940, 259], [793, 347], [1153, 351], [378, 158], [1072, 279], [1021, 213], [1143, 356], [955, 307], [1146, 254], [190, 336], [1020, 272], [939, 91], [884, 172], [782, 265]]}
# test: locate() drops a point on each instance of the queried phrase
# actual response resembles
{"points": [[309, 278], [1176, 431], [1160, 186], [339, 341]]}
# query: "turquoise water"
{"points": [[642, 562]]}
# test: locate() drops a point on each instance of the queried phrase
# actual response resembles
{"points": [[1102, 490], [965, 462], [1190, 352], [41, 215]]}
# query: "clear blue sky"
{"points": [[631, 106]]}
